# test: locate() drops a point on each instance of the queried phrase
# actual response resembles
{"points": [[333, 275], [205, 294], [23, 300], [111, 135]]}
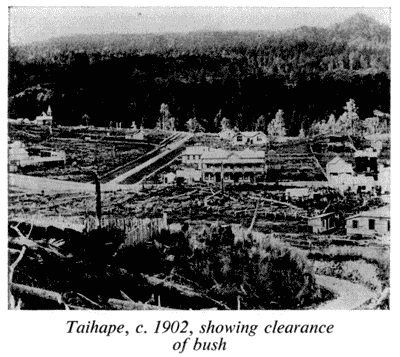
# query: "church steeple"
{"points": [[49, 112]]}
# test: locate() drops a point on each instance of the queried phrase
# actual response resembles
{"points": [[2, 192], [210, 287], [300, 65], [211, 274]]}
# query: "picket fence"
{"points": [[135, 229]]}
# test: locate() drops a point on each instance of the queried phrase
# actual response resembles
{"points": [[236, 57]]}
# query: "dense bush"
{"points": [[243, 76]]}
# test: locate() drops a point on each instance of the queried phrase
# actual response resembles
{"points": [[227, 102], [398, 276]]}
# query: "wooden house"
{"points": [[322, 223], [375, 222], [248, 138]]}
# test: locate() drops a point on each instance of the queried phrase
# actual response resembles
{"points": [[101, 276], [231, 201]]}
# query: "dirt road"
{"points": [[350, 295], [39, 184]]}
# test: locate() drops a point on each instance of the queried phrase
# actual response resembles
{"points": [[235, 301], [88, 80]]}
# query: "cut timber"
{"points": [[253, 221], [128, 305], [181, 289], [41, 293], [187, 194], [275, 201], [54, 296]]}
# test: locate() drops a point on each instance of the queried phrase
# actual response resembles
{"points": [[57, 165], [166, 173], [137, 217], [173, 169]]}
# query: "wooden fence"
{"points": [[135, 229]]}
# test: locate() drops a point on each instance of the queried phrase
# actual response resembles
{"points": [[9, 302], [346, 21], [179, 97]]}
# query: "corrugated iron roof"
{"points": [[381, 212]]}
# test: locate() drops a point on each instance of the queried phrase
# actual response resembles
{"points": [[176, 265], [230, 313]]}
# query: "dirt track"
{"points": [[350, 295]]}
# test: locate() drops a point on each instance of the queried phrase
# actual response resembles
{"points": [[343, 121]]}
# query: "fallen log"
{"points": [[275, 201], [181, 289], [54, 296]]}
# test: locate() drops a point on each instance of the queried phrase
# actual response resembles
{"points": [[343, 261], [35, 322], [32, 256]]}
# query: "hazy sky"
{"points": [[40, 23]]}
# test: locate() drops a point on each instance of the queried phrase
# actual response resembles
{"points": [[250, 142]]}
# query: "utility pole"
{"points": [[222, 177], [98, 198]]}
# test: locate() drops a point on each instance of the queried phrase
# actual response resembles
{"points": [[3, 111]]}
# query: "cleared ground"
{"points": [[85, 150]]}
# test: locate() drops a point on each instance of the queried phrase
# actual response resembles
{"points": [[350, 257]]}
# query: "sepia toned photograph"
{"points": [[199, 158]]}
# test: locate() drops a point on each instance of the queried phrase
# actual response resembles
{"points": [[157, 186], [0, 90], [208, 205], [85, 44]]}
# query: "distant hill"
{"points": [[361, 29], [309, 73]]}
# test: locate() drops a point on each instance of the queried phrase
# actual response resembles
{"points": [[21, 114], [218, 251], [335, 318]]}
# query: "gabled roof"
{"points": [[340, 164], [336, 160], [381, 212], [250, 134], [322, 215], [224, 154]]}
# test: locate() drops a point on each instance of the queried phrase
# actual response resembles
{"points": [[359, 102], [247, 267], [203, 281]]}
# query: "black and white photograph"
{"points": [[198, 158]]}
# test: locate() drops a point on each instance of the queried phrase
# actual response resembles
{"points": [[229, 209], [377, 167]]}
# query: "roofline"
{"points": [[322, 215], [368, 216]]}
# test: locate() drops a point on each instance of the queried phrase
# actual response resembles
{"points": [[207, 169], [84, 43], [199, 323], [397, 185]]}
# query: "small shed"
{"points": [[189, 175], [322, 223], [139, 135], [297, 193], [169, 177]]}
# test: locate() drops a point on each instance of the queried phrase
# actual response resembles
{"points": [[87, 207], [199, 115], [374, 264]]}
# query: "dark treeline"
{"points": [[309, 73]]}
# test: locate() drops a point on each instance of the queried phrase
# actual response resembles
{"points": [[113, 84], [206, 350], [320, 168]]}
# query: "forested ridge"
{"points": [[308, 73]]}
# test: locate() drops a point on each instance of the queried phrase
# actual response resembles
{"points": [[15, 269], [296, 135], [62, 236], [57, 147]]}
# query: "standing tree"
{"points": [[276, 128], [193, 126], [217, 120], [332, 125], [261, 124], [349, 122], [225, 124], [85, 120], [384, 120], [165, 115], [372, 125]]}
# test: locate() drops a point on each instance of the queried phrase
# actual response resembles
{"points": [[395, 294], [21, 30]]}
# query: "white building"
{"points": [[370, 223], [384, 179], [337, 167], [322, 223], [233, 166], [17, 153], [44, 118], [297, 193], [246, 138], [169, 177], [139, 135], [352, 183], [18, 156], [189, 175], [192, 155]]}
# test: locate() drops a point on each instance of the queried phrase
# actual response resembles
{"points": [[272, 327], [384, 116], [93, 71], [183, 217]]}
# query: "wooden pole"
{"points": [[98, 198]]}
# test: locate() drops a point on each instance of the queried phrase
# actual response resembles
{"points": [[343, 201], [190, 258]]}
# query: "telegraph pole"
{"points": [[222, 177]]}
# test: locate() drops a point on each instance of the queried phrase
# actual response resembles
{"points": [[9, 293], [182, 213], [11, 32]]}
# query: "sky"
{"points": [[27, 24]]}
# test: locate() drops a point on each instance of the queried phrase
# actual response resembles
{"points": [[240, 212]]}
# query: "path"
{"points": [[170, 147], [350, 295]]}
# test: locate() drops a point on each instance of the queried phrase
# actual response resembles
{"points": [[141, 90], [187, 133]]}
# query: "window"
{"points": [[371, 224], [239, 138], [355, 224], [388, 226], [259, 138]]}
